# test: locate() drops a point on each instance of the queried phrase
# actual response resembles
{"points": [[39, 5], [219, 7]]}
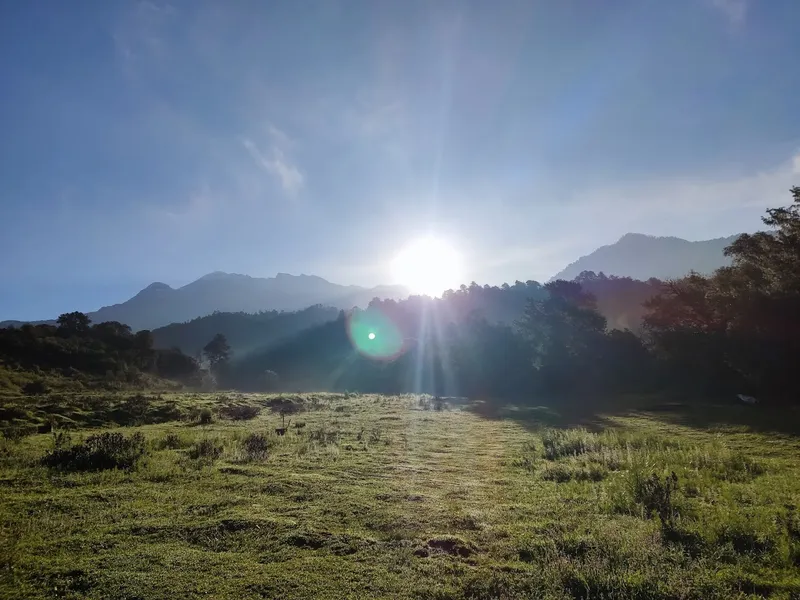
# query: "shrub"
{"points": [[207, 448], [240, 412], [97, 452], [438, 404], [171, 441], [15, 433], [205, 416], [256, 446], [655, 495], [35, 388]]}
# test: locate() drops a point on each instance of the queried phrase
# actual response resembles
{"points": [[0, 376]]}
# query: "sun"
{"points": [[428, 266]]}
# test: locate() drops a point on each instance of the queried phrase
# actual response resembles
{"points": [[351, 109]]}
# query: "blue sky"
{"points": [[159, 141]]}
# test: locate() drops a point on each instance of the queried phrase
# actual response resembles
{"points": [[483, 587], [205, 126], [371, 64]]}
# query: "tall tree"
{"points": [[564, 333], [217, 352], [73, 323]]}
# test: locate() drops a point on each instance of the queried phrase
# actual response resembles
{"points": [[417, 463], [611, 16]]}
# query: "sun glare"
{"points": [[428, 266]]}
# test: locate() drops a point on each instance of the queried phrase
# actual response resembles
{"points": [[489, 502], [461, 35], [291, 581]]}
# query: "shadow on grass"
{"points": [[596, 414]]}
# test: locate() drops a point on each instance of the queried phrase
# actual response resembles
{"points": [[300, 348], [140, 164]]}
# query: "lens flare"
{"points": [[374, 334]]}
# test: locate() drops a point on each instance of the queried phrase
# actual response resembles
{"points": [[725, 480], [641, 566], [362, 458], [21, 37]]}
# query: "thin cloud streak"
{"points": [[735, 11], [276, 162]]}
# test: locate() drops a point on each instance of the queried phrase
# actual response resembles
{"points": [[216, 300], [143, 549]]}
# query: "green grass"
{"points": [[384, 497]]}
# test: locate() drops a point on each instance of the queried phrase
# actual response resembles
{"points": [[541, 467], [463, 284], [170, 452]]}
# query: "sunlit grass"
{"points": [[373, 496]]}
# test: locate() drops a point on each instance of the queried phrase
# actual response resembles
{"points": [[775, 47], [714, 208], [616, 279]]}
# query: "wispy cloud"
{"points": [[704, 207], [735, 11], [140, 33], [275, 160], [192, 213]]}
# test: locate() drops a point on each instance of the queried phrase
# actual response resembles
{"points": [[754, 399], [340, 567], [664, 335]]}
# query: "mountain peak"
{"points": [[642, 256], [215, 275], [155, 288]]}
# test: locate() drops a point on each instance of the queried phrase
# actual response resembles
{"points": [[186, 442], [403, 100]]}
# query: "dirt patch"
{"points": [[452, 545]]}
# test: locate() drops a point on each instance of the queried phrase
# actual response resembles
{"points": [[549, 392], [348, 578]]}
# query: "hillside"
{"points": [[244, 331], [643, 256], [159, 304]]}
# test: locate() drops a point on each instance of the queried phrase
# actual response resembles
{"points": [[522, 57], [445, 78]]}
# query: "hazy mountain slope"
{"points": [[159, 305], [244, 332], [642, 257]]}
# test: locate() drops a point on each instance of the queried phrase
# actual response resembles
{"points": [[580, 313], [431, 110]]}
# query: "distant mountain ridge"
{"points": [[641, 256], [159, 304]]}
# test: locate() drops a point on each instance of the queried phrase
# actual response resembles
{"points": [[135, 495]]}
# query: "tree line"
{"points": [[107, 353], [734, 331]]}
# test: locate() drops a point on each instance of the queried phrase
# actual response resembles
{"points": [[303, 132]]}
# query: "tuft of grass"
{"points": [[560, 443], [256, 446], [324, 435], [205, 416], [172, 441], [206, 449]]}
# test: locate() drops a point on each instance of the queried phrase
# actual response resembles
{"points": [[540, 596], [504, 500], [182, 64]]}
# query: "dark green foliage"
{"points": [[97, 452], [217, 353], [655, 495], [35, 388], [107, 353], [737, 331]]}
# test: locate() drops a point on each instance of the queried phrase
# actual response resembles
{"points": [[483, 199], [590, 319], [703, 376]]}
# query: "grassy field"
{"points": [[390, 497]]}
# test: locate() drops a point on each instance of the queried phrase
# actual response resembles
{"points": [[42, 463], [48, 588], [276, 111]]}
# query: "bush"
{"points": [[240, 412], [171, 441], [256, 446], [98, 452], [205, 416], [207, 448], [35, 388], [655, 495], [15, 433]]}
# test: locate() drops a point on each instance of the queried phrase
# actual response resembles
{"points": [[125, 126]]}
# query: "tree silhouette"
{"points": [[74, 323], [217, 352]]}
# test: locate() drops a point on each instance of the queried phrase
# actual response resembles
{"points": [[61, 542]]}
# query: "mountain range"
{"points": [[642, 256], [159, 304], [634, 255]]}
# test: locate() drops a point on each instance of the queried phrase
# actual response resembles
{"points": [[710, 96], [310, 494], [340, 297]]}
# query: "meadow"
{"points": [[132, 496]]}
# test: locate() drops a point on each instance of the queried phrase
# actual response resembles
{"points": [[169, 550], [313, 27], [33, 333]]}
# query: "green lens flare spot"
{"points": [[374, 334]]}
